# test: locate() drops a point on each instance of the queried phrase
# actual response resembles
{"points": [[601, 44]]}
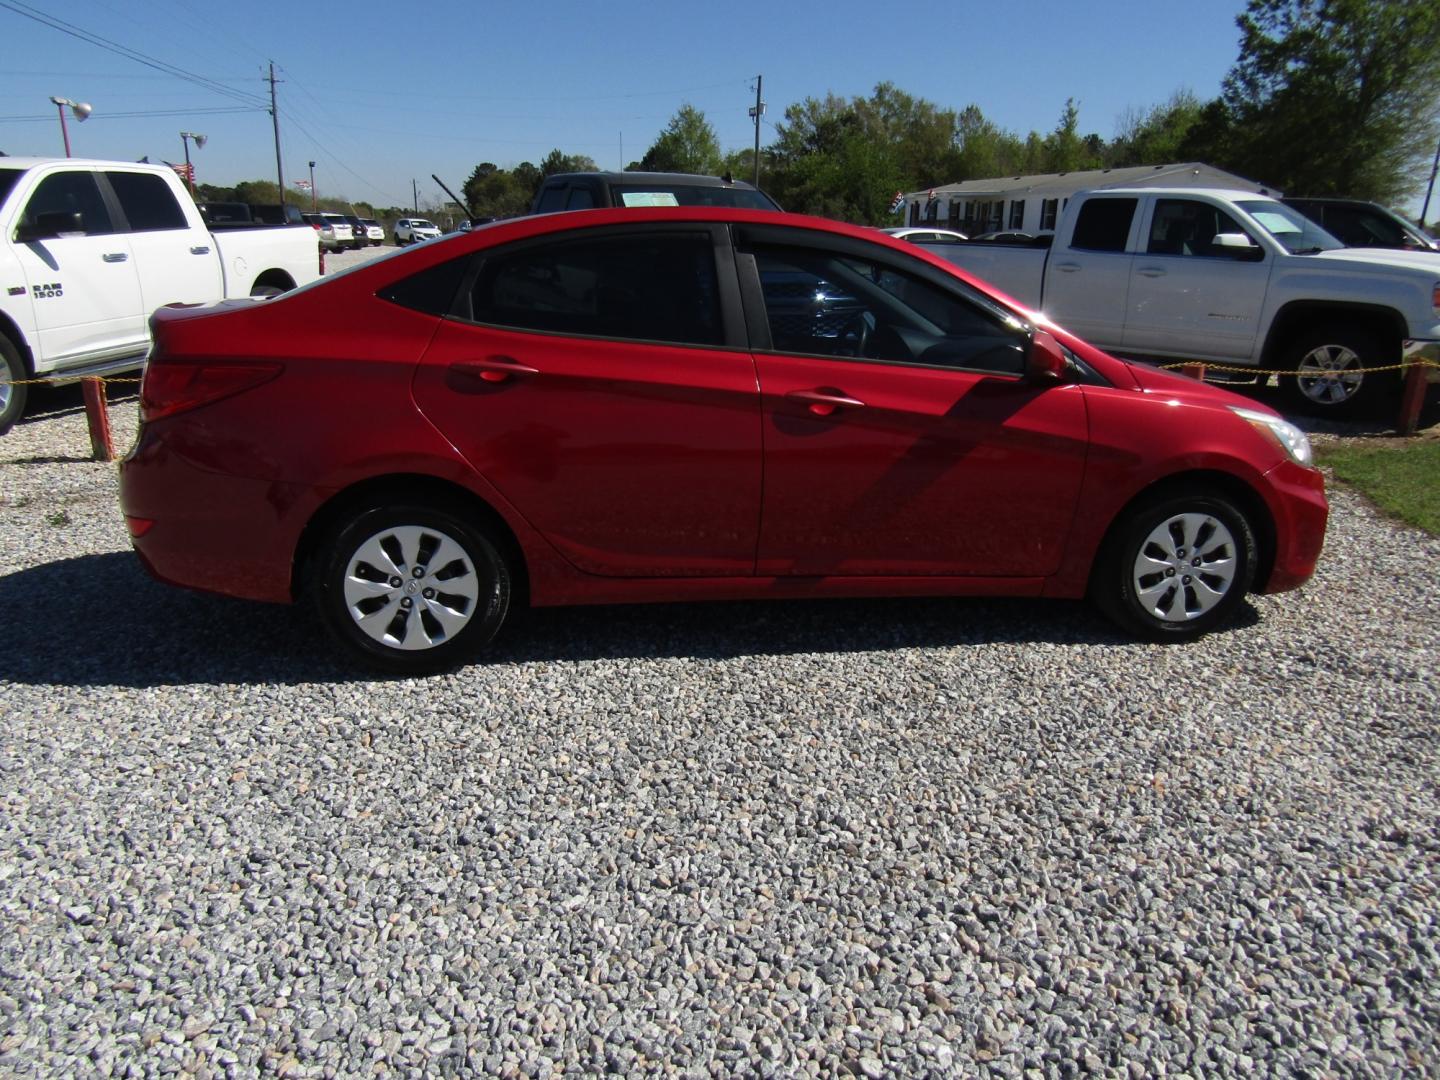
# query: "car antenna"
{"points": [[458, 201]]}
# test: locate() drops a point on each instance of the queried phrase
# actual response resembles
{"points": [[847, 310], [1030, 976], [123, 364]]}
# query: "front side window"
{"points": [[636, 286], [148, 202], [831, 304], [1104, 224], [1189, 227], [70, 193]]}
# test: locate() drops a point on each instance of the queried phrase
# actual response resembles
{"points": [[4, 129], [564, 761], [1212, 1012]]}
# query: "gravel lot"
{"points": [[889, 838]]}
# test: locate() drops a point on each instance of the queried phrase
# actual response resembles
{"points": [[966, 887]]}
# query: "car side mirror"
{"points": [[1237, 246], [1046, 360], [49, 225]]}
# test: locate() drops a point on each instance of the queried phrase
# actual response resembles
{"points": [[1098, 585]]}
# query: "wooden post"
{"points": [[1195, 371], [1412, 398], [102, 448]]}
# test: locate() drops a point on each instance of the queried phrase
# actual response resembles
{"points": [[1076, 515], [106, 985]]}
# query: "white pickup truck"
{"points": [[89, 249], [1229, 277]]}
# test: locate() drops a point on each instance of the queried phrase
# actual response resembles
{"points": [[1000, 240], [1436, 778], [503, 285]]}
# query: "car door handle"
{"points": [[494, 369], [824, 402], [1067, 268], [1151, 271], [115, 256], [202, 250]]}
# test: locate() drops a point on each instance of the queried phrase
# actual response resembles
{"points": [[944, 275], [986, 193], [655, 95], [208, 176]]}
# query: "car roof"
{"points": [[679, 179]]}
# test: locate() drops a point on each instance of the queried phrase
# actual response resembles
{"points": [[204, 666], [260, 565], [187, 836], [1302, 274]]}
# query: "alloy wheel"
{"points": [[1329, 375]]}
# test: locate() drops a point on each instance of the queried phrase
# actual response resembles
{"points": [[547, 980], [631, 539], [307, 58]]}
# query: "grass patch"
{"points": [[58, 518], [1401, 478]]}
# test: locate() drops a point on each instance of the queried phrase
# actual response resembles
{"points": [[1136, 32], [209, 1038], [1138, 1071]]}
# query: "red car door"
{"points": [[917, 446], [594, 388]]}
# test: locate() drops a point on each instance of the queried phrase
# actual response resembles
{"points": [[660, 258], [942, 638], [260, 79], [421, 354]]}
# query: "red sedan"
{"points": [[684, 404]]}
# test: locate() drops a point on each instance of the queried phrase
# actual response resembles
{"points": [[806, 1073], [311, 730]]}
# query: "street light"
{"points": [[312, 187], [81, 109], [185, 137]]}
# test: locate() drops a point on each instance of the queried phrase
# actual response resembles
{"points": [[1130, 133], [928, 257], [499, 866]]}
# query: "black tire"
{"points": [[1143, 585], [1334, 386], [448, 604], [13, 392]]}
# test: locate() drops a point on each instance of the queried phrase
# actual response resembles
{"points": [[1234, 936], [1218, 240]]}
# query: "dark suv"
{"points": [[587, 190], [1356, 223]]}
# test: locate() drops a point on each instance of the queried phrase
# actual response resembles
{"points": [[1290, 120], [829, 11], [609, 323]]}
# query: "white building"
{"points": [[1033, 203]]}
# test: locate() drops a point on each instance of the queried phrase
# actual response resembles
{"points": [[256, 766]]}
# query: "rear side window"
{"points": [[147, 201], [1104, 224], [636, 286], [552, 198], [432, 291], [580, 199], [70, 193]]}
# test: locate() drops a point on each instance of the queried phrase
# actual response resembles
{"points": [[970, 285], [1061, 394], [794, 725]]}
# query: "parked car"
{"points": [[412, 230], [1356, 223], [276, 214], [324, 231], [918, 235], [358, 232], [344, 231], [586, 190], [1228, 277], [374, 233], [88, 249], [580, 408]]}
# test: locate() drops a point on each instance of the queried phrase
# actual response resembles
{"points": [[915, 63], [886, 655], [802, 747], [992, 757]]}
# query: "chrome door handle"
{"points": [[115, 256], [1151, 271], [824, 402], [494, 369], [1067, 268], [202, 250]]}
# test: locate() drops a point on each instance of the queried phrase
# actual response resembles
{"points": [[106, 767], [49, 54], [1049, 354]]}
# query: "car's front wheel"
{"points": [[411, 588], [1175, 566]]}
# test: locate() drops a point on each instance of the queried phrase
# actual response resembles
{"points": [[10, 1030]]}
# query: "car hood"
{"points": [[1411, 260], [1190, 391]]}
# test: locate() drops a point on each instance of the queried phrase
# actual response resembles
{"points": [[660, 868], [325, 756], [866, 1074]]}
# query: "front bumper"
{"points": [[1296, 495]]}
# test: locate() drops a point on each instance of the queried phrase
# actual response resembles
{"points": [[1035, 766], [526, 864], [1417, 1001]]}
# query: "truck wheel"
{"points": [[13, 390], [1328, 363]]}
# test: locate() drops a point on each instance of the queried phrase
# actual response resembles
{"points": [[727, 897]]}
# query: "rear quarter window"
{"points": [[1104, 224]]}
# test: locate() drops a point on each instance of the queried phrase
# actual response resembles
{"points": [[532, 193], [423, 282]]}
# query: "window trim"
{"points": [[732, 320]]}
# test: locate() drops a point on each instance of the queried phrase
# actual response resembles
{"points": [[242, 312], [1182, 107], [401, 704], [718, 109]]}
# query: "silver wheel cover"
{"points": [[5, 389], [1185, 567], [411, 587], [1327, 374]]}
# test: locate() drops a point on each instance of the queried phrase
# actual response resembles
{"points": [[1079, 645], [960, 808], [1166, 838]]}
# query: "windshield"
{"points": [[7, 181], [421, 223], [1294, 231], [683, 195]]}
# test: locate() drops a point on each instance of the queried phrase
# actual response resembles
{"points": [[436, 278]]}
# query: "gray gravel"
{"points": [[891, 838]]}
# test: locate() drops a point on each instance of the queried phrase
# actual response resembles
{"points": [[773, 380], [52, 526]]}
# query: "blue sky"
{"points": [[380, 94]]}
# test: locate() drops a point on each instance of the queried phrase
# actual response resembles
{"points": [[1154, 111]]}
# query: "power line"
{"points": [[131, 54], [50, 117]]}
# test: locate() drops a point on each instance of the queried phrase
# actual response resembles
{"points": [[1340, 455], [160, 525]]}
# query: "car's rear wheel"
{"points": [[410, 587], [1176, 566], [13, 390]]}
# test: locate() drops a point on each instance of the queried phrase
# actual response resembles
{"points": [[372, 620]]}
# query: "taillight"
{"points": [[171, 387]]}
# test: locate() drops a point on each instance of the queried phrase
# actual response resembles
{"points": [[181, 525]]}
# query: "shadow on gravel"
{"points": [[100, 620]]}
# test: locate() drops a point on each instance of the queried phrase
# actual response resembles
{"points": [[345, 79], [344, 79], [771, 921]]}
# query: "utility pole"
{"points": [[757, 112], [1430, 188], [415, 195], [314, 205], [275, 119]]}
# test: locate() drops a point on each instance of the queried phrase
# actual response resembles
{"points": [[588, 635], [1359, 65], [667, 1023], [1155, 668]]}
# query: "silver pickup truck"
{"points": [[90, 249], [1228, 277]]}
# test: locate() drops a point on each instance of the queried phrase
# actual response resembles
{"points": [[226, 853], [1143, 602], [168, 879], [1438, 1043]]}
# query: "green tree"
{"points": [[687, 145], [557, 162], [1156, 136], [1330, 97]]}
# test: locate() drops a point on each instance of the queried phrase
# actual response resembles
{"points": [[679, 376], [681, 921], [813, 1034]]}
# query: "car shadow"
{"points": [[99, 620]]}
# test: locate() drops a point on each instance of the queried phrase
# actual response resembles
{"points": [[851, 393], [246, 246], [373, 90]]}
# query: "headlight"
{"points": [[1294, 441]]}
